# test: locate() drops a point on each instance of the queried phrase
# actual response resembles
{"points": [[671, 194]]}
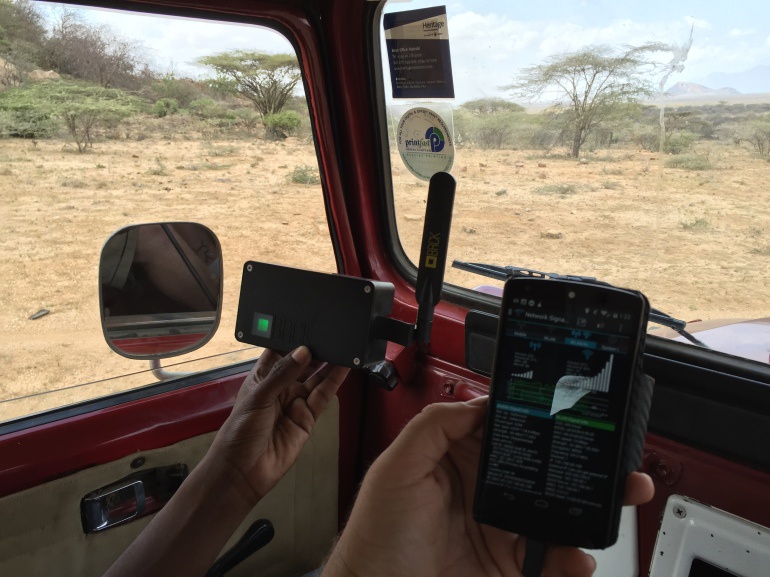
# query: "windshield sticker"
{"points": [[418, 51], [425, 143]]}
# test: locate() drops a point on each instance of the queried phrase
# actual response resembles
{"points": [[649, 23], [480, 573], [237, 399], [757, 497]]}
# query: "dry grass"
{"points": [[59, 207]]}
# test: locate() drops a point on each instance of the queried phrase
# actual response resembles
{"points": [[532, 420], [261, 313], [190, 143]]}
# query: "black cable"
{"points": [[533, 558]]}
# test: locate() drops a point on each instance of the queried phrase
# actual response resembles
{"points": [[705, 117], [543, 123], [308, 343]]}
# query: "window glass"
{"points": [[170, 135], [562, 165]]}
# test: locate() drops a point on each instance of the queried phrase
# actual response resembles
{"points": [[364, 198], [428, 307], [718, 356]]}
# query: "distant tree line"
{"points": [[632, 125], [599, 93]]}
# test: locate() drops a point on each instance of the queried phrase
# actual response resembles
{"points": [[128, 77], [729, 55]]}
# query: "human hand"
{"points": [[413, 515], [274, 414]]}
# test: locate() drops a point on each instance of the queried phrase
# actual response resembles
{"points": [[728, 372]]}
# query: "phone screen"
{"points": [[564, 360]]}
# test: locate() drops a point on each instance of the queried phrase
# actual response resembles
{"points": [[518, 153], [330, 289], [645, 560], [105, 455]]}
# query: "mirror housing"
{"points": [[160, 289]]}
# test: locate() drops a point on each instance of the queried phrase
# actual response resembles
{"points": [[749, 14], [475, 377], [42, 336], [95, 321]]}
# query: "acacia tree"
{"points": [[588, 86], [267, 80], [758, 134], [80, 106]]}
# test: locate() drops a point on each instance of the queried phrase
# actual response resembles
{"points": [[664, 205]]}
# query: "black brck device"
{"points": [[341, 319], [567, 415]]}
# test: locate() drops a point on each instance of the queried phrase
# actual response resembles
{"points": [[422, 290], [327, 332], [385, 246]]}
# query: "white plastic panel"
{"points": [[692, 530]]}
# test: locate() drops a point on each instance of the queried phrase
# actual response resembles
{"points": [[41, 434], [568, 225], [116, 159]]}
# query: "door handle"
{"points": [[130, 498]]}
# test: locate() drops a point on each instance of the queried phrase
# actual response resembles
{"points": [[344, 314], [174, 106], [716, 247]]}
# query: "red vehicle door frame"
{"points": [[339, 85]]}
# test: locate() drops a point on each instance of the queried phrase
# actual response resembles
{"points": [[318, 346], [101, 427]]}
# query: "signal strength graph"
{"points": [[528, 375], [599, 382]]}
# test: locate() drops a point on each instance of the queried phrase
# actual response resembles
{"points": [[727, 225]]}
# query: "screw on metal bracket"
{"points": [[367, 289], [240, 335], [680, 512], [249, 267], [356, 361]]}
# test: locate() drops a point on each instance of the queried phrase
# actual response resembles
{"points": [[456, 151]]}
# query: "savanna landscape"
{"points": [[696, 241], [682, 216]]}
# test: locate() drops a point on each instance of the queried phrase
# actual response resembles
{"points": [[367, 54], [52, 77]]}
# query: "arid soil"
{"points": [[696, 242]]}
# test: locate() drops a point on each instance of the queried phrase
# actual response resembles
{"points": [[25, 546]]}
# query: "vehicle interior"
{"points": [[77, 436]]}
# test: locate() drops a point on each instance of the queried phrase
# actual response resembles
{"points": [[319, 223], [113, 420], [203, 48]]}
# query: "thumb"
{"points": [[430, 433]]}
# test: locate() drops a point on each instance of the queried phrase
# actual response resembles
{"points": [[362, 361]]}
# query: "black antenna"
{"points": [[435, 242]]}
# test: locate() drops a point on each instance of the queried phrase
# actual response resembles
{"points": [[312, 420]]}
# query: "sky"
{"points": [[491, 40]]}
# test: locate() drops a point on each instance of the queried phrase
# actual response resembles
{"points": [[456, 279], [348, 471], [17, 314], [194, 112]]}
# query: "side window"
{"points": [[109, 119], [602, 140]]}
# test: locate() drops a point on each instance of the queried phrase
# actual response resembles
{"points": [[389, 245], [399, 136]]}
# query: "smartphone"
{"points": [[565, 419]]}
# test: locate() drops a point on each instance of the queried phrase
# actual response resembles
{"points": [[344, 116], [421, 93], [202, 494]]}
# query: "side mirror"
{"points": [[160, 289]]}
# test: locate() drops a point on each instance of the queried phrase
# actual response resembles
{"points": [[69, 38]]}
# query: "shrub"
{"points": [[500, 129], [689, 162], [221, 150], [184, 91], [80, 106], [203, 166], [647, 138], [247, 117], [27, 124], [282, 124], [679, 143], [758, 134], [561, 189], [207, 108], [159, 169], [165, 107], [305, 175], [695, 224], [73, 183], [493, 131]]}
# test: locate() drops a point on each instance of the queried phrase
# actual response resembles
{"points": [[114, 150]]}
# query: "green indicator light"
{"points": [[262, 326]]}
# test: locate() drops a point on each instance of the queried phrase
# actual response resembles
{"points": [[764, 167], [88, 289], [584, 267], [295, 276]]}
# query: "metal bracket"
{"points": [[162, 374]]}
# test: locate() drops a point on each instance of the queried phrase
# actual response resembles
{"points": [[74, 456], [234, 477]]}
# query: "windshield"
{"points": [[614, 140]]}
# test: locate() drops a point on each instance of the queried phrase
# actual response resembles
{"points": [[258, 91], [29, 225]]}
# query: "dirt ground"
{"points": [[696, 242]]}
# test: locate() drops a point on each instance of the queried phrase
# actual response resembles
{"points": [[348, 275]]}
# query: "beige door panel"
{"points": [[41, 531]]}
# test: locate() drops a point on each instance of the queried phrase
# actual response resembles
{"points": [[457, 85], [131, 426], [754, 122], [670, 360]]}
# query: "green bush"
{"points": [[305, 175], [26, 124], [247, 117], [79, 106], [165, 107], [689, 162], [502, 129], [679, 143], [208, 108], [184, 91], [282, 124]]}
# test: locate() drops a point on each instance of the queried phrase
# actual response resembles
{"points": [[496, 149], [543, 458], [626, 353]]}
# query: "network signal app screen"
{"points": [[559, 391]]}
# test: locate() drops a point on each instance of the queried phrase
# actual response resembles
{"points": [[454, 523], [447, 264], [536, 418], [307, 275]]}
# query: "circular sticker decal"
{"points": [[425, 143]]}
